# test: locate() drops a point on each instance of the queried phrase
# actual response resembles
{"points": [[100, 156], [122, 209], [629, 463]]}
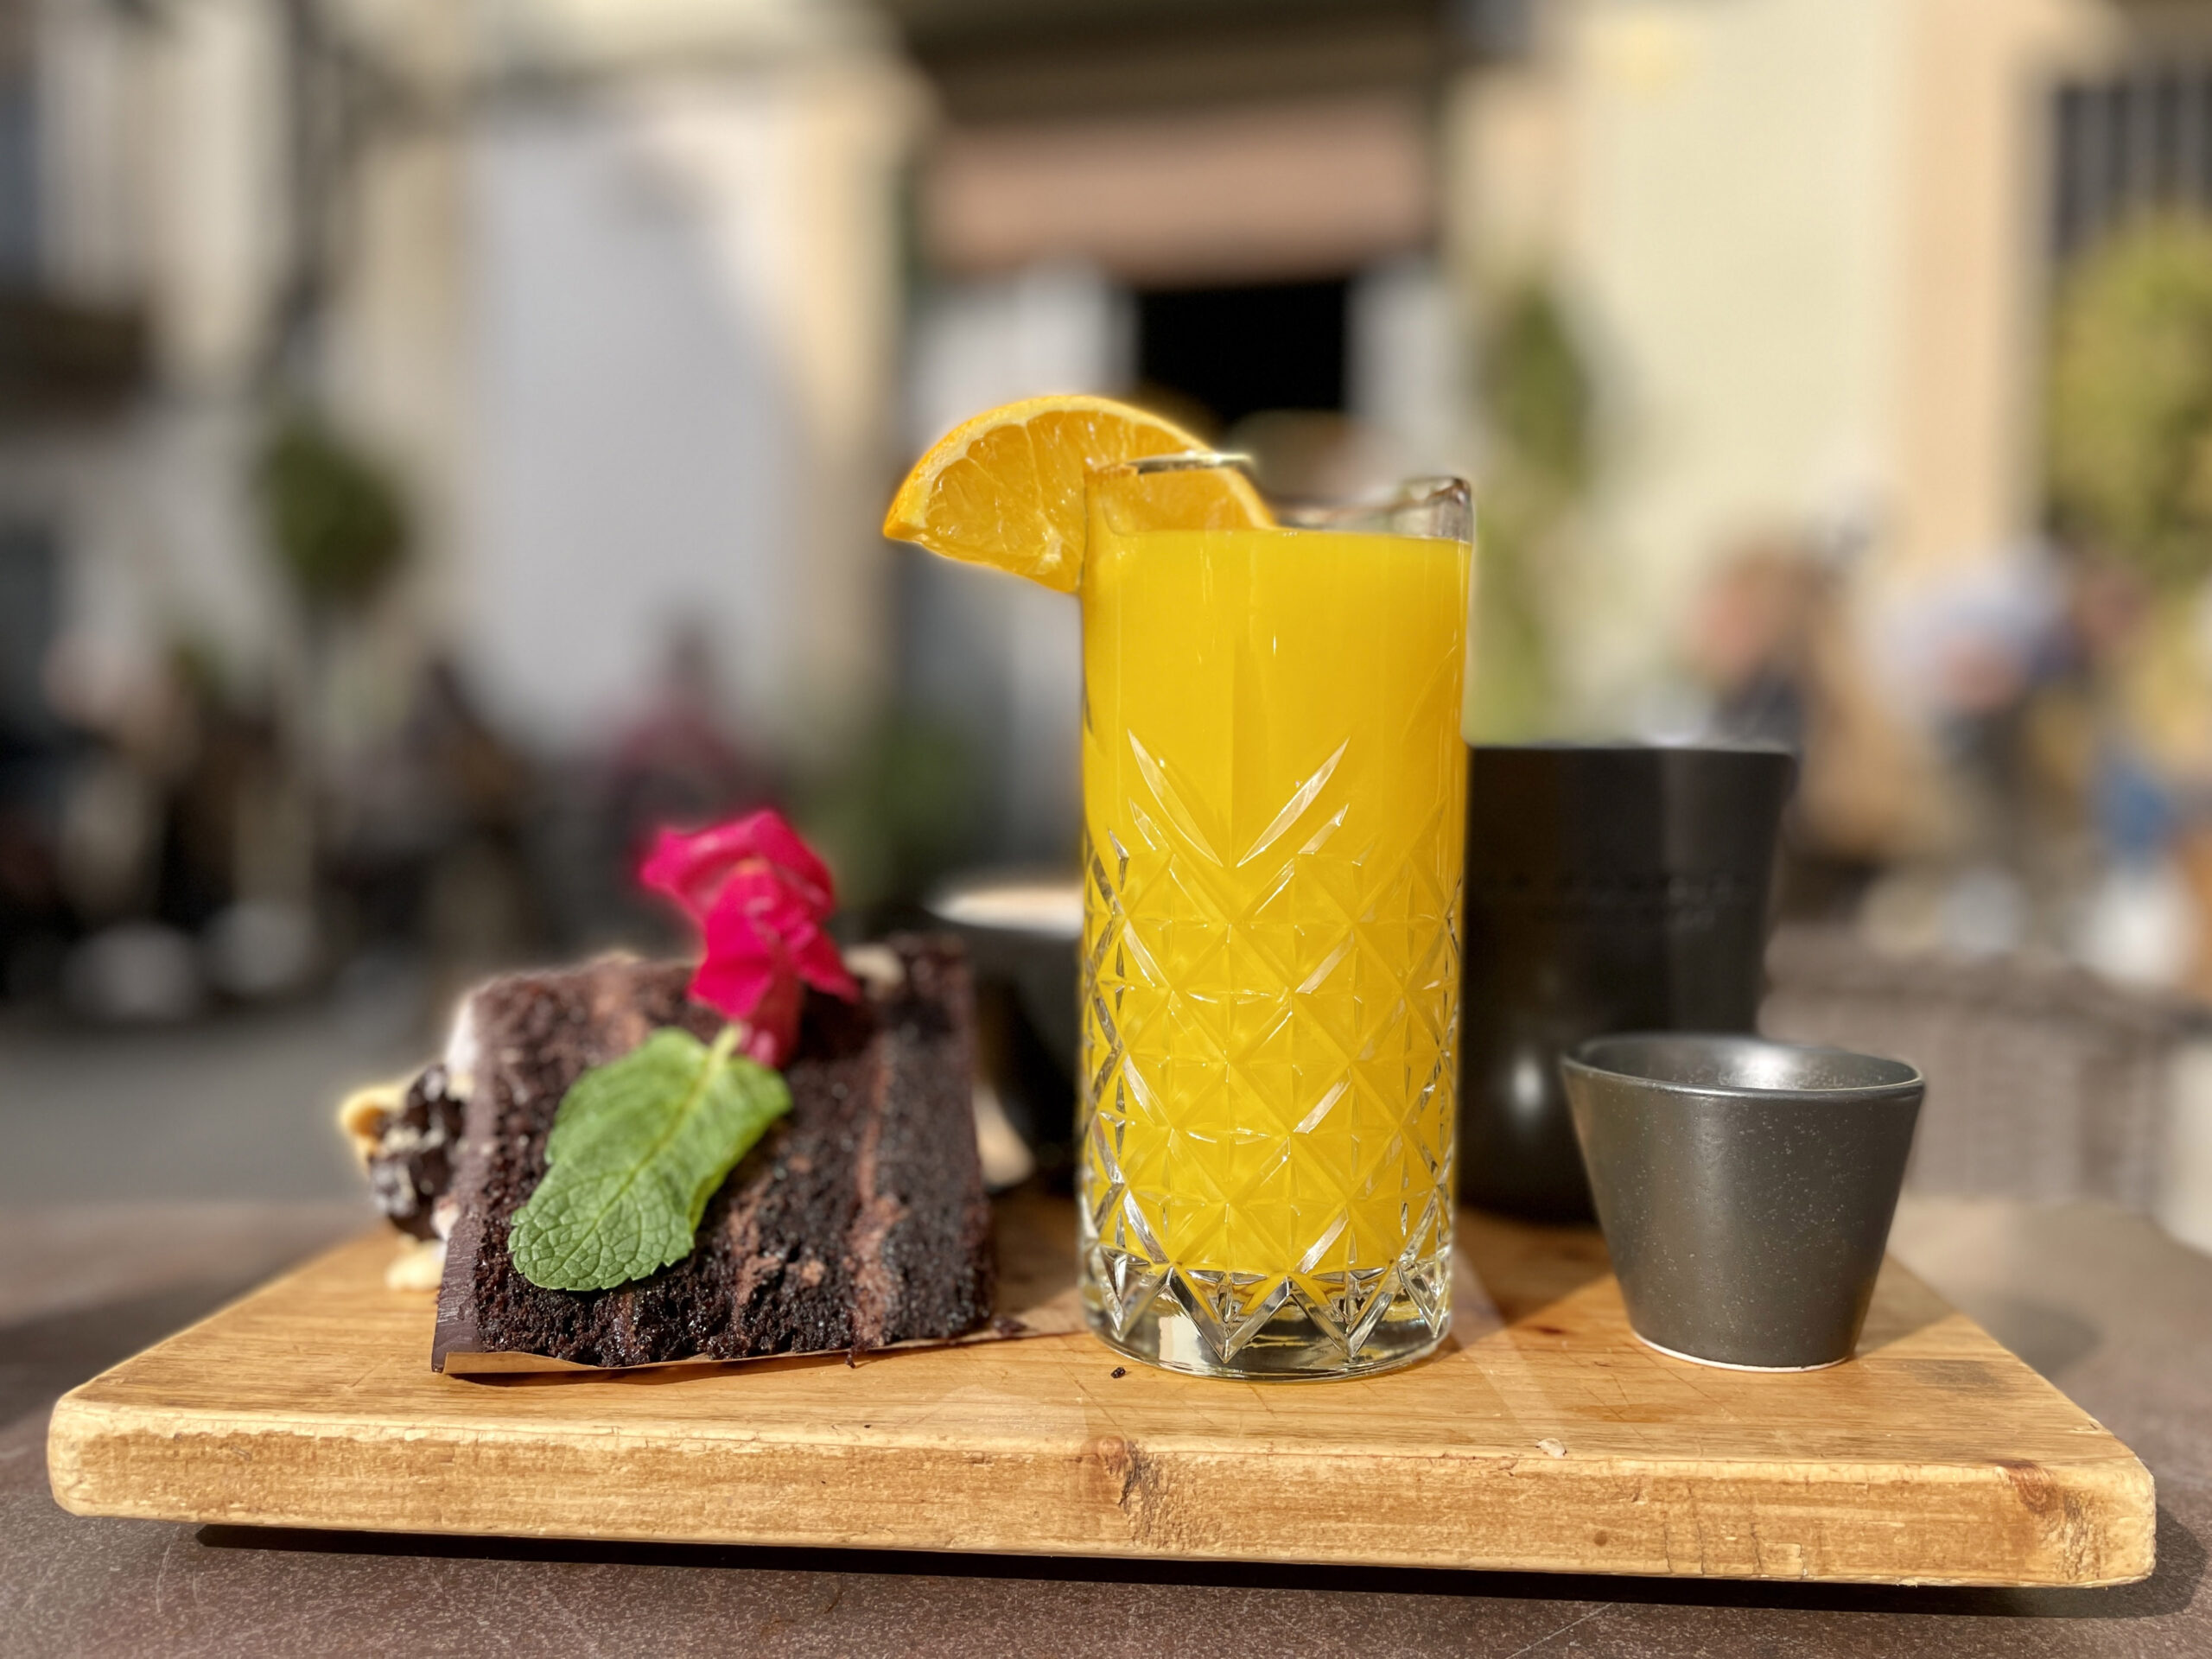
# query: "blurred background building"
{"points": [[440, 438]]}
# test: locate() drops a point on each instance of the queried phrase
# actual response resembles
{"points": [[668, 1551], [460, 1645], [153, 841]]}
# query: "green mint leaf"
{"points": [[637, 1147]]}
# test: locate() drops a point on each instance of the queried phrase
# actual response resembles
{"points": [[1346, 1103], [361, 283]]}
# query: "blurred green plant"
{"points": [[1537, 402], [2130, 417], [900, 812], [335, 520]]}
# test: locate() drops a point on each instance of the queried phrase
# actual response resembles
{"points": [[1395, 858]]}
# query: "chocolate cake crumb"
{"points": [[859, 1221], [411, 1165]]}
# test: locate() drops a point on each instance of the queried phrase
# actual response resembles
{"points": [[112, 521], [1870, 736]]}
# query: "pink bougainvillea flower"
{"points": [[693, 869], [758, 924], [759, 895], [771, 1032]]}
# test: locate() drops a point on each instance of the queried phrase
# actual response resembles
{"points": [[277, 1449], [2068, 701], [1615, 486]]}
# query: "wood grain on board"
{"points": [[1542, 1437]]}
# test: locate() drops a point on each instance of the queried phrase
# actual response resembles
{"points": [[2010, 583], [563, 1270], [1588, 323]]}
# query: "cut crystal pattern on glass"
{"points": [[1274, 796], [1268, 1084]]}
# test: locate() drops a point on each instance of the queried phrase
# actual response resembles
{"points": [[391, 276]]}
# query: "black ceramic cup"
{"points": [[1745, 1187], [1617, 888]]}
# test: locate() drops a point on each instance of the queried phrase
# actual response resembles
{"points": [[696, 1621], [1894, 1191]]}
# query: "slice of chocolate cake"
{"points": [[859, 1221]]}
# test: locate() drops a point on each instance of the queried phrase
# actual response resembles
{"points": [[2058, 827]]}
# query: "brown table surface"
{"points": [[2113, 1309]]}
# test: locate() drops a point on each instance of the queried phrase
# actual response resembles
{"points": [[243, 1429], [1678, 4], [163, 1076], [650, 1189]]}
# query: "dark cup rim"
{"points": [[1582, 1058], [1602, 746]]}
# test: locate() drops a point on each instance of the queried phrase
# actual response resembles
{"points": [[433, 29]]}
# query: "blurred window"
{"points": [[2137, 142]]}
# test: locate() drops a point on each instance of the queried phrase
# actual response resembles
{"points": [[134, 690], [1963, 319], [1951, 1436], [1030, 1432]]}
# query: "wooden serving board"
{"points": [[1542, 1437]]}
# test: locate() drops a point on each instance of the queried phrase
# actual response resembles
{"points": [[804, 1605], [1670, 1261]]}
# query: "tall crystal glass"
{"points": [[1274, 792]]}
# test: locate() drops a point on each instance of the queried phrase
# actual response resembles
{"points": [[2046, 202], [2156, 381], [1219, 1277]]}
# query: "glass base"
{"points": [[1291, 1347]]}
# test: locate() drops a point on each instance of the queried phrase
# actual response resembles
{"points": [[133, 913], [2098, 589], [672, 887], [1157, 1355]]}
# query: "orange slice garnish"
{"points": [[1006, 488]]}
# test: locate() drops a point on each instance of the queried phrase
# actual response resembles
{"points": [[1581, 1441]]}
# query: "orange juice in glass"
{"points": [[1273, 786]]}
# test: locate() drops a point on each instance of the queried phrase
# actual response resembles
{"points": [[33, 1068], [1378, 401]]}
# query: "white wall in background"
{"points": [[683, 306], [1741, 293], [1001, 658], [1407, 365], [1055, 328], [628, 402]]}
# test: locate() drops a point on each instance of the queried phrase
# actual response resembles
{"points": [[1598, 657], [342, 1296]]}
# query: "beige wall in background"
{"points": [[1509, 171], [1974, 201], [1806, 239], [1721, 214], [837, 285]]}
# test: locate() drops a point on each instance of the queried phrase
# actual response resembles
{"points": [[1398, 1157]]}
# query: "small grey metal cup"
{"points": [[1746, 1188]]}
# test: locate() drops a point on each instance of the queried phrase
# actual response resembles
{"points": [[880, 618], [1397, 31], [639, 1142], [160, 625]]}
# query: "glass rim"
{"points": [[1416, 490], [1181, 460], [1408, 494]]}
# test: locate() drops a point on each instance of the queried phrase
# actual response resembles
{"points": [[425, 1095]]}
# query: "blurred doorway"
{"points": [[1238, 350], [30, 601]]}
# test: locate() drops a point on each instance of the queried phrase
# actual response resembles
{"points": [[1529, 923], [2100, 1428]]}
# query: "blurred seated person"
{"points": [[681, 761], [1772, 641]]}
